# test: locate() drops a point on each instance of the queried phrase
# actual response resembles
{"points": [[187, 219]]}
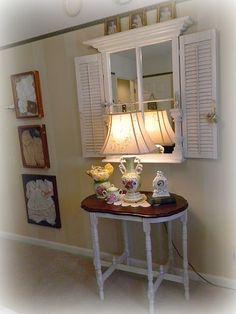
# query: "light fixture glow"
{"points": [[127, 135], [158, 127], [72, 7]]}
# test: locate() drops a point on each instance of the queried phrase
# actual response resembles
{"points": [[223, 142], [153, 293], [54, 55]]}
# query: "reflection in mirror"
{"points": [[157, 74], [124, 80], [160, 130], [158, 94]]}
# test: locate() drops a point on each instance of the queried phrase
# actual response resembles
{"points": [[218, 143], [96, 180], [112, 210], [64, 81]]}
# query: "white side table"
{"points": [[147, 216]]}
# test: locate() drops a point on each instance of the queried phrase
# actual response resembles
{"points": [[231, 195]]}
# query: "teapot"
{"points": [[112, 194]]}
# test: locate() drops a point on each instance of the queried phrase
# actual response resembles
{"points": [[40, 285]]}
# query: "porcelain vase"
{"points": [[100, 187], [131, 168]]}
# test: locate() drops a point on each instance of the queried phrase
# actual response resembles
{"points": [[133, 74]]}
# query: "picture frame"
{"points": [[166, 12], [41, 199], [112, 25], [137, 19], [27, 95], [34, 147]]}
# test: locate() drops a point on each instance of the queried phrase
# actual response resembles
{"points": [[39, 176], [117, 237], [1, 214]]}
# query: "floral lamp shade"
{"points": [[127, 135], [158, 127]]}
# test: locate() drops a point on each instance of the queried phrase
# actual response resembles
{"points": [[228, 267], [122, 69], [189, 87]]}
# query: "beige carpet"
{"points": [[36, 280]]}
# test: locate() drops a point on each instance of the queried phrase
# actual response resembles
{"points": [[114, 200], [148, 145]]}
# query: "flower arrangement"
{"points": [[100, 174]]}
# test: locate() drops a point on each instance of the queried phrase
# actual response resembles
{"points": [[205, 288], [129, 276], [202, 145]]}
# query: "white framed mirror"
{"points": [[140, 50]]}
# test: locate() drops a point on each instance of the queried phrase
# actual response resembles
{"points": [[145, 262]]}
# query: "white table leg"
{"points": [[185, 254], [96, 253], [147, 231], [170, 246], [126, 239]]}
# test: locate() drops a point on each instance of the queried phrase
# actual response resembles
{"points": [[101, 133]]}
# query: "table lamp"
{"points": [[128, 137], [159, 129]]}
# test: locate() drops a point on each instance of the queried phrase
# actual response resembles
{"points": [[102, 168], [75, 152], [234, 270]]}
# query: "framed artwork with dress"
{"points": [[137, 19], [112, 25], [166, 11], [34, 147], [27, 95], [41, 199]]}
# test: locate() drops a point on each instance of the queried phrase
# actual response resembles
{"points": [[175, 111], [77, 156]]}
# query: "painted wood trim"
{"points": [[142, 36], [192, 149], [93, 130]]}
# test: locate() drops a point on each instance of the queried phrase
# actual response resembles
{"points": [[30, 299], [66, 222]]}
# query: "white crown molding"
{"points": [[142, 36]]}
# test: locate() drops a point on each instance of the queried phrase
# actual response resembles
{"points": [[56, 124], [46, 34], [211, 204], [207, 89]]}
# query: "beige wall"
{"points": [[207, 184]]}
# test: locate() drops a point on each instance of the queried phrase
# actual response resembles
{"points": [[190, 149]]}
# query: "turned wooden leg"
{"points": [[96, 253], [147, 231], [126, 240], [185, 254], [170, 246]]}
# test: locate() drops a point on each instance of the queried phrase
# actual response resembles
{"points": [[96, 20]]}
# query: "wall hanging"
{"points": [[34, 148], [137, 19], [41, 200], [166, 11], [27, 95], [112, 25]]}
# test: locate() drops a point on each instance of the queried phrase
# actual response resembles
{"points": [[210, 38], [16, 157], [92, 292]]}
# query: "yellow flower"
{"points": [[109, 168], [99, 173]]}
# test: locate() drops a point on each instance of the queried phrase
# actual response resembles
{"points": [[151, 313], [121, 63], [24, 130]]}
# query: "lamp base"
{"points": [[134, 197], [131, 178]]}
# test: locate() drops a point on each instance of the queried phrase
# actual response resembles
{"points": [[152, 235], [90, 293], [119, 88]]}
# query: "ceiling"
{"points": [[24, 19]]}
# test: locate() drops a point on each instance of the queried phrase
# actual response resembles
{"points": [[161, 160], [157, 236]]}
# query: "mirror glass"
{"points": [[157, 89], [158, 94], [157, 74], [124, 80]]}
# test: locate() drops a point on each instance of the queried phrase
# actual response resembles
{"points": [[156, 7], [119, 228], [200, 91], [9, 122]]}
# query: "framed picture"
{"points": [[34, 148], [166, 11], [41, 200], [112, 26], [137, 19], [27, 95]]}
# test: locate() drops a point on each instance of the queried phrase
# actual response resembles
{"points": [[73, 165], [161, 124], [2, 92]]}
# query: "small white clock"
{"points": [[160, 185]]}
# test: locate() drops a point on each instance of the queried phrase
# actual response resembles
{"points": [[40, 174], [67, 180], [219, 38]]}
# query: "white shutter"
{"points": [[91, 103], [198, 93]]}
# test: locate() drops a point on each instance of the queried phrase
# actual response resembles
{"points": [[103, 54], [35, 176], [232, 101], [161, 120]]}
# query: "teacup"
{"points": [[112, 194]]}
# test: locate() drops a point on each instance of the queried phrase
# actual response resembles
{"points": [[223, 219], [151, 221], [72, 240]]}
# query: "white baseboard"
{"points": [[48, 244], [217, 280]]}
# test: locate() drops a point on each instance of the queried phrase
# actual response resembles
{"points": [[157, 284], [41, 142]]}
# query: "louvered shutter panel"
{"points": [[90, 93], [198, 93]]}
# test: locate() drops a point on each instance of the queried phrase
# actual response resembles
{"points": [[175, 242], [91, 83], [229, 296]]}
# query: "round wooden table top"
{"points": [[96, 205]]}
